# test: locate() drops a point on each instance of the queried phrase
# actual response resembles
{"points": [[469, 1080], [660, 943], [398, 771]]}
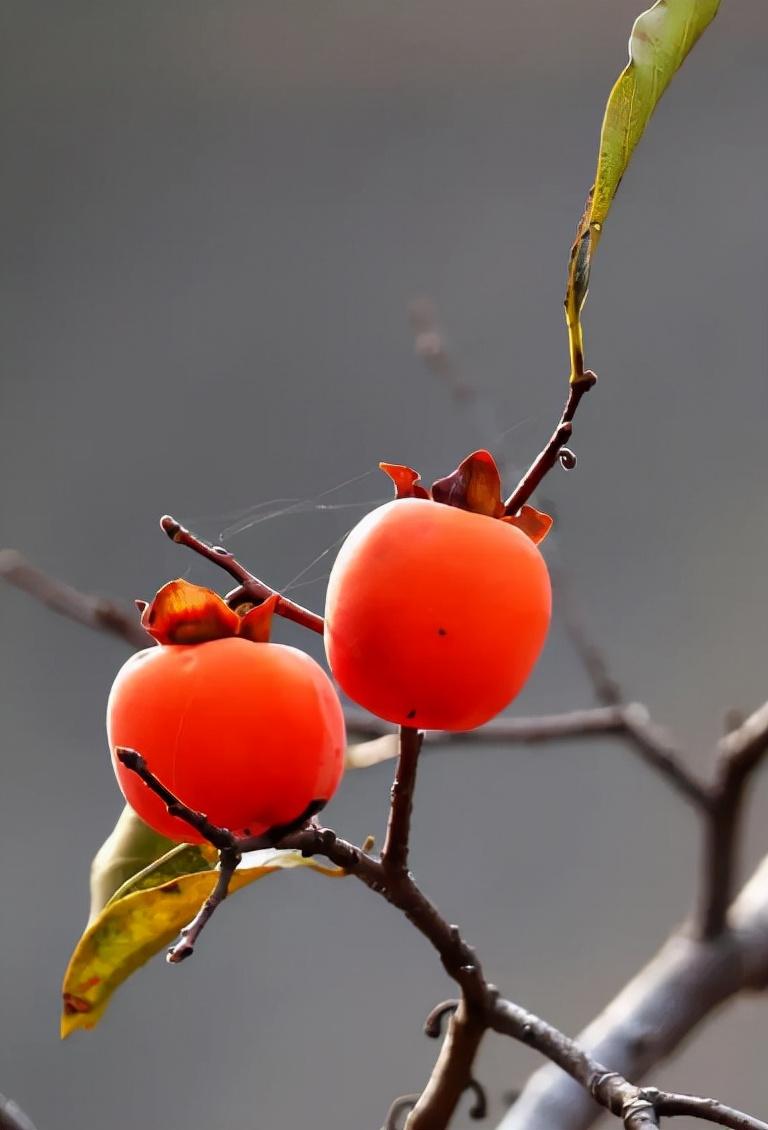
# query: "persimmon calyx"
{"points": [[183, 613], [475, 485]]}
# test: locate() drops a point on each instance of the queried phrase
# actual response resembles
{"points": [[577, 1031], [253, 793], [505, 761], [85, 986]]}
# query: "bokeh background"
{"points": [[215, 217]]}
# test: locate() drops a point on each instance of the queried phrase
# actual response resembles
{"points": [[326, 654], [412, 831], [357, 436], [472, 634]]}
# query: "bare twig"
{"points": [[394, 854], [433, 1025], [229, 860], [637, 1107], [396, 1111], [91, 611], [631, 721], [555, 449], [249, 586]]}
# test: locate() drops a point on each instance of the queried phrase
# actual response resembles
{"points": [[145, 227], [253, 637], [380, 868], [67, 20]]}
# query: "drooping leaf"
{"points": [[182, 859], [133, 928], [130, 847], [661, 39]]}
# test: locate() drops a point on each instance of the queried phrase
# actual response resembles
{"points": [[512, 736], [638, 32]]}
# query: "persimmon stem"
{"points": [[249, 586], [394, 854], [556, 445]]}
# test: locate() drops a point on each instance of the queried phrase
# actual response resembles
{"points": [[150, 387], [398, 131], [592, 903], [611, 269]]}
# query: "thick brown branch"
{"points": [[551, 453], [249, 586], [394, 855], [91, 611]]}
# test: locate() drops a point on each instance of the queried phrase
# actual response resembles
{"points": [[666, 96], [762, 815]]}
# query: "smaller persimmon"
{"points": [[249, 733], [438, 603]]}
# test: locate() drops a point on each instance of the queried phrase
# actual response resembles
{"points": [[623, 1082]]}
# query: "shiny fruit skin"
{"points": [[248, 733], [435, 616]]}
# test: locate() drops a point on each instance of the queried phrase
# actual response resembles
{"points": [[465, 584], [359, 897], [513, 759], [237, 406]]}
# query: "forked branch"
{"points": [[479, 1008]]}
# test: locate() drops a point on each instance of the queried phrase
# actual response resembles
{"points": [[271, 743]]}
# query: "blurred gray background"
{"points": [[214, 219]]}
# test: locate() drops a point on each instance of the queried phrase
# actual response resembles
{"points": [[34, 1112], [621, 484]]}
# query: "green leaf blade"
{"points": [[661, 39]]}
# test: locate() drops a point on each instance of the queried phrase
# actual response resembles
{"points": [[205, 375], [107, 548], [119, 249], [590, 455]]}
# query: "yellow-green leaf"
{"points": [[661, 39], [183, 859], [133, 928], [128, 849]]}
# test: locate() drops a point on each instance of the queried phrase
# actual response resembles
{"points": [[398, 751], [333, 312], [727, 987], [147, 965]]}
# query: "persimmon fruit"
{"points": [[248, 733], [436, 615]]}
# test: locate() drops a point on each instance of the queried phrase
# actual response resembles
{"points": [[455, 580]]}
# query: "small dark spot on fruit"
{"points": [[442, 632], [171, 889], [411, 714]]}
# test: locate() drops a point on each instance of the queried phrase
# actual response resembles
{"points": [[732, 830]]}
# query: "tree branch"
{"points": [[91, 611], [739, 755], [394, 855], [631, 721], [637, 1107], [480, 1007], [684, 983], [249, 586], [555, 450], [452, 1074]]}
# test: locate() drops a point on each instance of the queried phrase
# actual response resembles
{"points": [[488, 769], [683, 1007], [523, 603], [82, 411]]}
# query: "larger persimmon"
{"points": [[437, 610], [250, 733]]}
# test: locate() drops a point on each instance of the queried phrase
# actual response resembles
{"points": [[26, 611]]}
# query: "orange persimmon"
{"points": [[435, 614], [250, 733]]}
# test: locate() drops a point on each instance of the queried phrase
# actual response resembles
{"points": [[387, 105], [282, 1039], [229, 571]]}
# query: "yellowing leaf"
{"points": [[183, 859], [133, 928], [660, 41], [128, 849]]}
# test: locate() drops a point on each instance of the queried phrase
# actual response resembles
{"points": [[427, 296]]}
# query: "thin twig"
{"points": [[399, 1107], [91, 611], [249, 586], [394, 854], [433, 1025], [554, 450], [229, 860], [670, 1105], [631, 721], [637, 1106], [607, 690]]}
